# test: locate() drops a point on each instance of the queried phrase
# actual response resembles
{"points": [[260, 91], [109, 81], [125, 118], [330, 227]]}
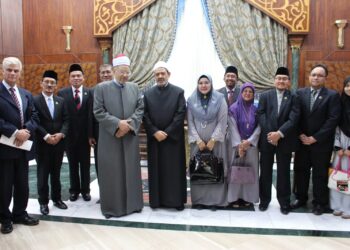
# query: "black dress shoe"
{"points": [[73, 197], [60, 204], [263, 207], [86, 197], [27, 220], [318, 210], [285, 210], [297, 203], [6, 228], [44, 209], [180, 208]]}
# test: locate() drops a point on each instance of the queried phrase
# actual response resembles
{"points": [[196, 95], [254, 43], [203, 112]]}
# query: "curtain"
{"points": [[249, 39], [147, 38]]}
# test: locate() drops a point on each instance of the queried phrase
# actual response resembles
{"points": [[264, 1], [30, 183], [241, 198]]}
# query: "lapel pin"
{"points": [[56, 103], [285, 98], [85, 93], [320, 97]]}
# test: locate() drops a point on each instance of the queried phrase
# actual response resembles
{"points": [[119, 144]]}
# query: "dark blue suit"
{"points": [[320, 122], [13, 161]]}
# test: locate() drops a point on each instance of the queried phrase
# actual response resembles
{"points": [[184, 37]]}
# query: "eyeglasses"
{"points": [[284, 79]]}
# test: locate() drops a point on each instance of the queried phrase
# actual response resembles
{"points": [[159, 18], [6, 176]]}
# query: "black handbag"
{"points": [[206, 168]]}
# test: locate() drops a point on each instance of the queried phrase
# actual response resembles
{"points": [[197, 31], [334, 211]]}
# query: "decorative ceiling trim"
{"points": [[292, 14], [110, 14]]}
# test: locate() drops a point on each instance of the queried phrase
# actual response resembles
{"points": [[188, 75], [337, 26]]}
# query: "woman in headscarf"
{"points": [[243, 132], [207, 123], [340, 203]]}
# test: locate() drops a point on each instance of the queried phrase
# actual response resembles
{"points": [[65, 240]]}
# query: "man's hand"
{"points": [[160, 135], [273, 138], [201, 145], [21, 136], [307, 140], [92, 142]]}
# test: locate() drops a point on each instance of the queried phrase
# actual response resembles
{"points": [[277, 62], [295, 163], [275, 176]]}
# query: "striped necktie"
{"points": [[313, 98], [15, 99], [77, 99]]}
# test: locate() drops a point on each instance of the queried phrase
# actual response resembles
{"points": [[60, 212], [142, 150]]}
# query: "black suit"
{"points": [[49, 157], [285, 121], [13, 161], [77, 141], [320, 123], [235, 93]]}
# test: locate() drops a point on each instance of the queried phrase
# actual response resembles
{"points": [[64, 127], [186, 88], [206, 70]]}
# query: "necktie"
{"points": [[313, 98], [15, 99], [279, 101], [77, 99], [50, 106], [230, 97]]}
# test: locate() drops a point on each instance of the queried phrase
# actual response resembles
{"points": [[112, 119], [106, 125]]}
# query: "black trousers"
{"points": [[283, 177], [49, 164], [13, 181], [305, 159], [79, 161]]}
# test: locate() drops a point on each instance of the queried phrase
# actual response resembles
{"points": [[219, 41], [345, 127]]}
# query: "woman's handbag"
{"points": [[240, 172], [206, 168], [339, 180]]}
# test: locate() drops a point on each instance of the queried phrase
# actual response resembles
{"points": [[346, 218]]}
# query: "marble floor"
{"points": [[190, 225]]}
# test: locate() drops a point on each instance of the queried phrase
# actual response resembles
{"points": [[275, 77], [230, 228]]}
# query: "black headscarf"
{"points": [[345, 118]]}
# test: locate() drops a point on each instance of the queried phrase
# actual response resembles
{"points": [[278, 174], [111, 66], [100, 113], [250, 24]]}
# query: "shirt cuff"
{"points": [[46, 136], [281, 134]]}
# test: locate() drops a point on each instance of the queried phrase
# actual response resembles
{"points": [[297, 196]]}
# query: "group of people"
{"points": [[225, 122]]}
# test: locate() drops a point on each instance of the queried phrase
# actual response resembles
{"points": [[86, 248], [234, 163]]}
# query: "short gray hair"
{"points": [[11, 61]]}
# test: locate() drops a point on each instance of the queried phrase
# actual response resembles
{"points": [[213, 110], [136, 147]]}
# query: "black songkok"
{"points": [[231, 69], [282, 71], [75, 67], [51, 74]]}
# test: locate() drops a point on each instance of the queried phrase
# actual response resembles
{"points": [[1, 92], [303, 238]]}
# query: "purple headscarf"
{"points": [[244, 113]]}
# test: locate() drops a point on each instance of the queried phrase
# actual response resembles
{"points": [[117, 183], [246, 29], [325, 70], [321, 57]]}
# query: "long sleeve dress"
{"points": [[212, 194], [247, 192]]}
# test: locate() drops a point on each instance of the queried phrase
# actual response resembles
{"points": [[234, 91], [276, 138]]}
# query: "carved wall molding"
{"points": [[110, 14], [292, 14]]}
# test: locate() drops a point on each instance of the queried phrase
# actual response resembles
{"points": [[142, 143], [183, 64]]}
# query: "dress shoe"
{"points": [[346, 216], [44, 209], [263, 207], [285, 210], [297, 203], [73, 197], [60, 204], [180, 208], [27, 220], [318, 210], [86, 197], [6, 228], [337, 213]]}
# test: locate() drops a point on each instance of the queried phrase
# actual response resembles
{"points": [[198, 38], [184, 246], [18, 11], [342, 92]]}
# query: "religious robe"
{"points": [[165, 110], [118, 158]]}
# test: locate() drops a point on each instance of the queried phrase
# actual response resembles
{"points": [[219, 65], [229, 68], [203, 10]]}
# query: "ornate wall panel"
{"points": [[110, 14], [293, 14], [337, 72], [34, 72]]}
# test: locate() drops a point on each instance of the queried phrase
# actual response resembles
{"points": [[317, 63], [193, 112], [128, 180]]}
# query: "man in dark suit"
{"points": [[78, 100], [231, 90], [18, 120], [278, 115], [50, 141], [320, 112]]}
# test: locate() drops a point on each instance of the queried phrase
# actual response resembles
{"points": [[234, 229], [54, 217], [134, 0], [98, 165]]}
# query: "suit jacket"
{"points": [[93, 126], [48, 125], [79, 120], [10, 121], [322, 120], [286, 120], [235, 93]]}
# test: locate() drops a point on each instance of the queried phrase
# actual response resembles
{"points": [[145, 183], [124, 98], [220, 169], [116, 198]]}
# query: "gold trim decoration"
{"points": [[292, 14], [110, 14]]}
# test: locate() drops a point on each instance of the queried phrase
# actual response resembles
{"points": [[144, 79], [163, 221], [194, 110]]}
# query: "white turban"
{"points": [[161, 64], [121, 59]]}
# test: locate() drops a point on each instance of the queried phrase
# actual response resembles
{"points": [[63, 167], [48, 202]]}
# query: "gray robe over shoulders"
{"points": [[118, 158]]}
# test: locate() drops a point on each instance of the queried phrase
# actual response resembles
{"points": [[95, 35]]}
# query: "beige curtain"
{"points": [[249, 39], [147, 38]]}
